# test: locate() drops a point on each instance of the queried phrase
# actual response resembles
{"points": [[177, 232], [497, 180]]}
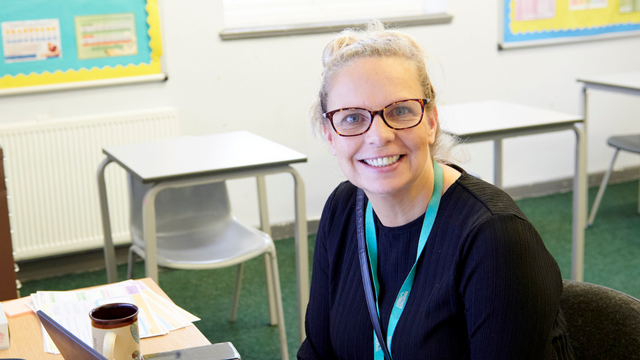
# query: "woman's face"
{"points": [[373, 83]]}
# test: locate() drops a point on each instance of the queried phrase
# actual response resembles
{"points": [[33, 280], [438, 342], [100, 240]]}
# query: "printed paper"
{"points": [[71, 309], [627, 6], [99, 36], [535, 9], [587, 4], [31, 40]]}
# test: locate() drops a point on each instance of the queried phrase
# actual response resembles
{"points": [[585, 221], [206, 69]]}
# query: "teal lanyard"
{"points": [[372, 249]]}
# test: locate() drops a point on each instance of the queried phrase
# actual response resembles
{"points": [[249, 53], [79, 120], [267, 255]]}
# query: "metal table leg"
{"points": [[265, 225], [109, 249], [579, 204], [149, 228], [497, 163], [302, 251]]}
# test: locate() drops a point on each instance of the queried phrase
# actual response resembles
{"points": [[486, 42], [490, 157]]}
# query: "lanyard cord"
{"points": [[366, 276], [382, 348]]}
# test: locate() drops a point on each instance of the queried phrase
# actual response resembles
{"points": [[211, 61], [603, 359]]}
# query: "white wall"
{"points": [[266, 86]]}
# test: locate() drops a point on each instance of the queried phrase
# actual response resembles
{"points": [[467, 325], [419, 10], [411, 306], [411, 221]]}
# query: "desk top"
{"points": [[189, 156], [26, 336], [630, 80], [494, 117]]}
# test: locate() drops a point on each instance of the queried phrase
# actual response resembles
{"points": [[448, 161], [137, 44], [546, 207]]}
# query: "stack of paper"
{"points": [[71, 309]]}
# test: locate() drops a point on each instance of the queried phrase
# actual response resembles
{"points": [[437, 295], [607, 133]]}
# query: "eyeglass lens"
{"points": [[398, 116]]}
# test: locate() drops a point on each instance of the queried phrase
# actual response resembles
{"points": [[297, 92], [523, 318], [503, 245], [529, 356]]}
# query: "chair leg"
{"points": [[130, 263], [284, 349], [236, 293], [603, 186], [273, 314]]}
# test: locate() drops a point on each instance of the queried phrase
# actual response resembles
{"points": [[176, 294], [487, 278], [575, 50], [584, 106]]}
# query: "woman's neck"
{"points": [[406, 205]]}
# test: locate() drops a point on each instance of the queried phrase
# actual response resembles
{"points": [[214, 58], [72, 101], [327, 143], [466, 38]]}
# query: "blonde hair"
{"points": [[376, 41]]}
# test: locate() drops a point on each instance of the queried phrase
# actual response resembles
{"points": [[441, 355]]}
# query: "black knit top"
{"points": [[485, 286]]}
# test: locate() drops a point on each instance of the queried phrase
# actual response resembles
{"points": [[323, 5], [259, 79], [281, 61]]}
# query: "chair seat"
{"points": [[602, 323], [629, 143], [222, 245]]}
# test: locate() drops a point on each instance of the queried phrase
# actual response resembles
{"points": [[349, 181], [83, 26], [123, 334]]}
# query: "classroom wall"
{"points": [[266, 86]]}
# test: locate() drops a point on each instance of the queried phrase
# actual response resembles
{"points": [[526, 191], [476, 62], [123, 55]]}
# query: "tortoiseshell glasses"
{"points": [[399, 115]]}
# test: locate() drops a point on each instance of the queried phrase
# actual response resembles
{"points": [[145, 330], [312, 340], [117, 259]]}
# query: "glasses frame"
{"points": [[329, 115]]}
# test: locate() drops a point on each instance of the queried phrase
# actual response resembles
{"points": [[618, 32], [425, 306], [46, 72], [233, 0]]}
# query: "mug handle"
{"points": [[108, 345]]}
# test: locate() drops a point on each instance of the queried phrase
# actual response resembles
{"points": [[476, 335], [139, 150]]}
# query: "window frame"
{"points": [[432, 13]]}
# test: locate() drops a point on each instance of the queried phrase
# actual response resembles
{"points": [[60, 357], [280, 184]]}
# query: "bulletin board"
{"points": [[541, 22], [59, 44]]}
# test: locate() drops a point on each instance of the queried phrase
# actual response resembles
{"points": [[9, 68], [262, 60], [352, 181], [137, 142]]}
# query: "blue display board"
{"points": [[539, 22], [67, 65]]}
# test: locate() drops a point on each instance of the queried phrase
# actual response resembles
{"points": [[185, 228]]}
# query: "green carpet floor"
{"points": [[612, 258]]}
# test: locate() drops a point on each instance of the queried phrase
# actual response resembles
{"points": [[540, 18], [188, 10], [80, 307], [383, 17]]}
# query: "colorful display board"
{"points": [[46, 43], [538, 22]]}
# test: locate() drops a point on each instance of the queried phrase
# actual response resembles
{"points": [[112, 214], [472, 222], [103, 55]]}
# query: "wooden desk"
{"points": [[496, 120], [26, 336], [196, 160]]}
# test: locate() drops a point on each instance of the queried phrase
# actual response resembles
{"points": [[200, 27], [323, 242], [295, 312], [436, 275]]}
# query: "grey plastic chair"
{"points": [[630, 143], [195, 230], [602, 323]]}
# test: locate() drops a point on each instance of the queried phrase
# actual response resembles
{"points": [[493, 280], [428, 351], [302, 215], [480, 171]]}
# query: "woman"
{"points": [[483, 285]]}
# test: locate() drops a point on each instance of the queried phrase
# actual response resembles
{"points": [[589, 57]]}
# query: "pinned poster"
{"points": [[31, 40], [535, 9], [63, 44], [541, 22], [107, 35]]}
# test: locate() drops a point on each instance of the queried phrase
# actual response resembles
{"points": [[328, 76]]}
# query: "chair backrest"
{"points": [[602, 323], [180, 210]]}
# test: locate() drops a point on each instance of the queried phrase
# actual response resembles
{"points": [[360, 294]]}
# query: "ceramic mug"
{"points": [[114, 328]]}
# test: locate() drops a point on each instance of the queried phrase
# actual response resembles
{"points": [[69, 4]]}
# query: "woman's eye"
{"points": [[401, 111], [352, 119]]}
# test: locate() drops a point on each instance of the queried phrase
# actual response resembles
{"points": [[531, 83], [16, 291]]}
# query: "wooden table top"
{"points": [[26, 336]]}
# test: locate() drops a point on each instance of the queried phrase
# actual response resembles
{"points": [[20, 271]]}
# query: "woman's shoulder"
{"points": [[339, 204], [342, 196], [489, 198]]}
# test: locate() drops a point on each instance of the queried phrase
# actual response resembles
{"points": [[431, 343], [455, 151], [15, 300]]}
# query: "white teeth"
{"points": [[385, 161]]}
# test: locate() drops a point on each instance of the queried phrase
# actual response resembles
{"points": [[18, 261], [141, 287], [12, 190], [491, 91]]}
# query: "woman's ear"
{"points": [[433, 124], [328, 134]]}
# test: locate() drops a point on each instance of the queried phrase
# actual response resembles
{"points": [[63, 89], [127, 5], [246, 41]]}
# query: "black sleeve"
{"points": [[317, 345], [511, 288]]}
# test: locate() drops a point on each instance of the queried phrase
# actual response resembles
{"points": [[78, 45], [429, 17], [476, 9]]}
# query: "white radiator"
{"points": [[51, 174]]}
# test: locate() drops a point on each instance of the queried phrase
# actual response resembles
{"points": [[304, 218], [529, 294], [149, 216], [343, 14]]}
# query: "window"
{"points": [[261, 13]]}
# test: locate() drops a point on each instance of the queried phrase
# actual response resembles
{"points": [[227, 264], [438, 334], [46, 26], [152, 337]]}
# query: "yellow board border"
{"points": [[107, 72], [566, 19]]}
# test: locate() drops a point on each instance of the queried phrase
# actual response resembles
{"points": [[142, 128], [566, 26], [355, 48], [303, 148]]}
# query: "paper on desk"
{"points": [[71, 309], [154, 326], [74, 315], [167, 317], [17, 307], [175, 308]]}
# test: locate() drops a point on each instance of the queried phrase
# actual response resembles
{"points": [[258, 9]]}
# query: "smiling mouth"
{"points": [[384, 161]]}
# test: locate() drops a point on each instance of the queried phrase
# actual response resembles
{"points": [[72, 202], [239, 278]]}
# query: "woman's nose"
{"points": [[379, 133]]}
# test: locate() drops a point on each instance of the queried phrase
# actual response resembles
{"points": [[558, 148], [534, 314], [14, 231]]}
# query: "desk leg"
{"points": [[579, 204], [109, 249], [302, 251], [149, 228], [497, 163], [266, 228]]}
